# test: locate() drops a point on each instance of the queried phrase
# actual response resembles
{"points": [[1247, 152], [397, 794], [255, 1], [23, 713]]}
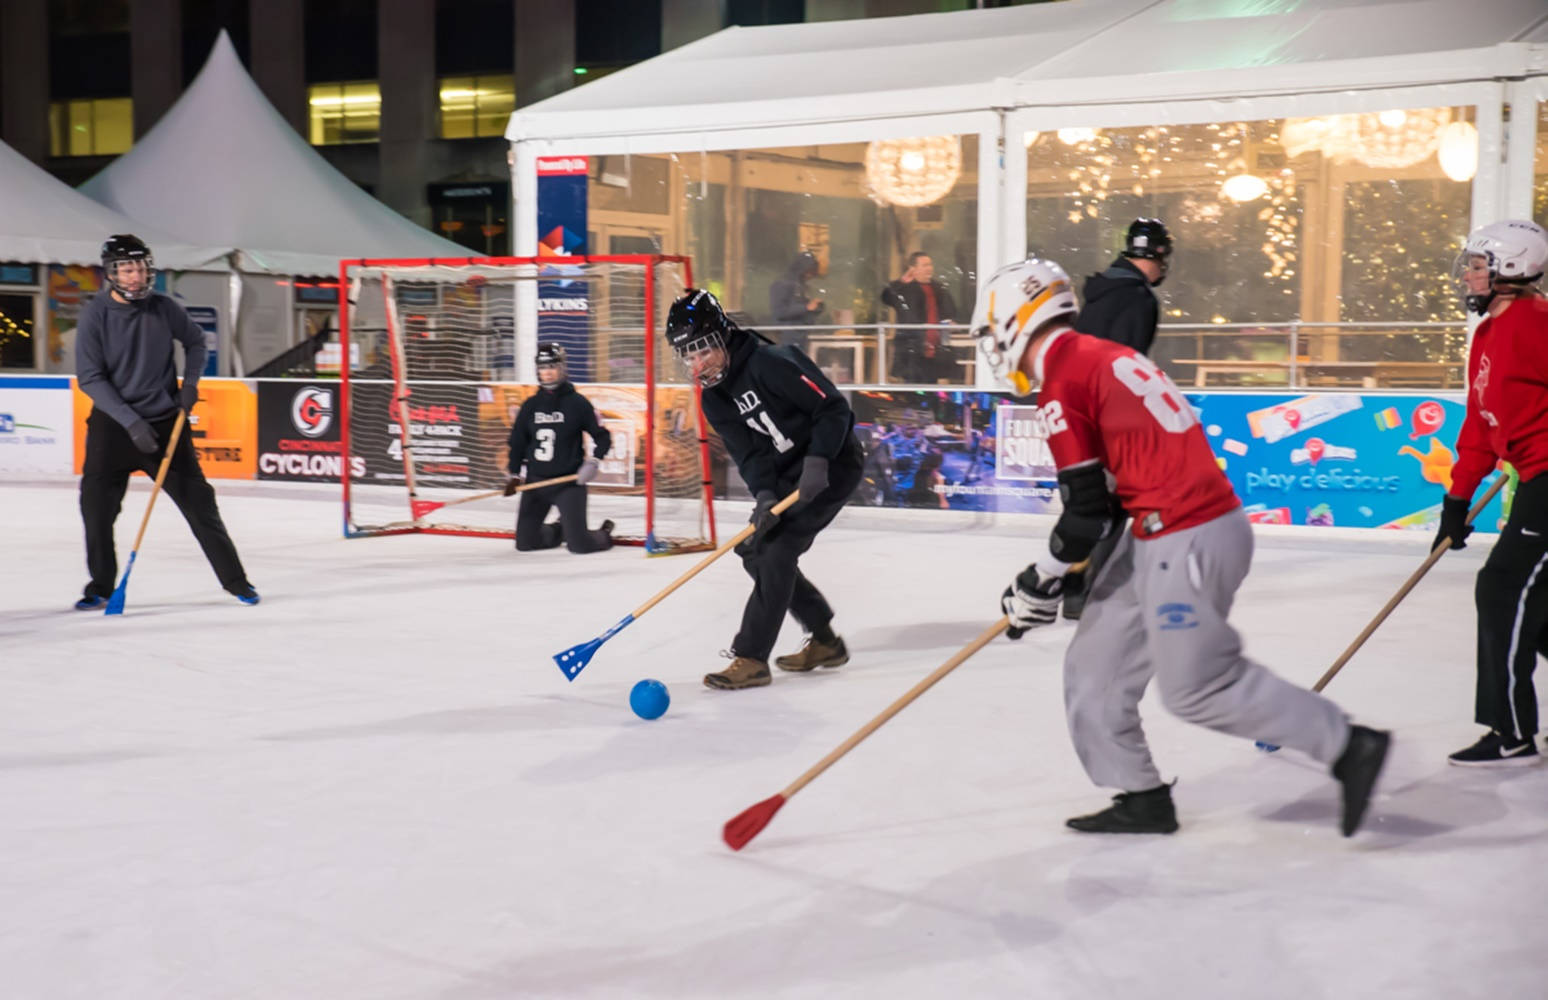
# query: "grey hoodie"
{"points": [[124, 358]]}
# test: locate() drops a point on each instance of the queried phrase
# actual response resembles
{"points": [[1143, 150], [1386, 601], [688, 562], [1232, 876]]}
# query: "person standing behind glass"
{"points": [[1121, 306], [921, 355], [789, 302]]}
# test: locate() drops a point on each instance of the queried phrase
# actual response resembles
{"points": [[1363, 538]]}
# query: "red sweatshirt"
{"points": [[1507, 398]]}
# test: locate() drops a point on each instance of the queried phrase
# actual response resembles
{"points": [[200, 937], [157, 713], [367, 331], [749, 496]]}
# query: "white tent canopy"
{"points": [[223, 166], [45, 221], [724, 89]]}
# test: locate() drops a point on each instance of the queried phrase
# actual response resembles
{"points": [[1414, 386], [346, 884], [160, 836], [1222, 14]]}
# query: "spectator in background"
{"points": [[921, 355], [789, 302]]}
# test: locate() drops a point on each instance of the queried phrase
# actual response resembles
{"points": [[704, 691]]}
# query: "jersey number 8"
{"points": [[1141, 376]]}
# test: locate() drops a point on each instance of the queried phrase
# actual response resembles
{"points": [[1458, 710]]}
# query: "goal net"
{"points": [[435, 351]]}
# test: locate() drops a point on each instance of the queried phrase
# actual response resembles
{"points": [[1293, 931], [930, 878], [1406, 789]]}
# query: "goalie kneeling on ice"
{"points": [[649, 699]]}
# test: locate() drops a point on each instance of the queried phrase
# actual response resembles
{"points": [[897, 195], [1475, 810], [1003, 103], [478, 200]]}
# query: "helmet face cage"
{"points": [[1513, 254], [704, 357], [127, 249]]}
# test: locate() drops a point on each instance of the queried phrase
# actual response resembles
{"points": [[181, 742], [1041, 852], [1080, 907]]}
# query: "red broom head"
{"points": [[748, 823]]}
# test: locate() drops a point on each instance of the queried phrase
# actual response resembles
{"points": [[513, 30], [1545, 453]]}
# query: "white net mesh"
{"points": [[433, 389]]}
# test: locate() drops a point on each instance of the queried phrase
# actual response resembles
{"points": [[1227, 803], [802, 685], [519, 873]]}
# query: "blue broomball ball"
{"points": [[649, 699]]}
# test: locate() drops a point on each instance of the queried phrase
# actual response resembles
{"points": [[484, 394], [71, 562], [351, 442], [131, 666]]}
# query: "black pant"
{"points": [[778, 584], [570, 498], [1512, 600], [111, 457]]}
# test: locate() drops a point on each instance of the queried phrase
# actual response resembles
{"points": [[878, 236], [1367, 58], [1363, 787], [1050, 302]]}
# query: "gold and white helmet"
{"points": [[1017, 300]]}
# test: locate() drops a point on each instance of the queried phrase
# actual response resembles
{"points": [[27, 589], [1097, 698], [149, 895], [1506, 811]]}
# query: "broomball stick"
{"points": [[115, 604], [746, 825], [573, 660], [420, 508], [1391, 605]]}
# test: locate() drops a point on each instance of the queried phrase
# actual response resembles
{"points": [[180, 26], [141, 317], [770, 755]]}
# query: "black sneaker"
{"points": [[1493, 750], [1356, 769], [1132, 812], [90, 602], [244, 593]]}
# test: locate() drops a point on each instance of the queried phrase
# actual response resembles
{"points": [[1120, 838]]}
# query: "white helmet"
{"points": [[1017, 300], [1515, 250]]}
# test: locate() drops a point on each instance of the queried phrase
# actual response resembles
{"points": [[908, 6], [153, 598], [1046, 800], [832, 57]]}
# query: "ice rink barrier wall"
{"points": [[1373, 460]]}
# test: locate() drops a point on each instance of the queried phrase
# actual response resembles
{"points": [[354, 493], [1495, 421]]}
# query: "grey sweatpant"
{"points": [[1158, 609]]}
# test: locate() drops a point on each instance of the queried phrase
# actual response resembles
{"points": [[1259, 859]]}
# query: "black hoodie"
{"points": [[773, 408], [547, 433], [1120, 306]]}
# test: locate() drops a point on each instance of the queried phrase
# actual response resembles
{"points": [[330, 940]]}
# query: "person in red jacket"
{"points": [[1124, 439], [1507, 418]]}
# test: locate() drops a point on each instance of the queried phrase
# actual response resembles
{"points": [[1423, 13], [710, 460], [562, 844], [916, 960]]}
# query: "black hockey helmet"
{"points": [[696, 326], [550, 354], [127, 247], [1148, 239]]}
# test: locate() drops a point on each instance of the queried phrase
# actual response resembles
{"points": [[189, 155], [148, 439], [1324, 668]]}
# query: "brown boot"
{"points": [[744, 672], [815, 653]]}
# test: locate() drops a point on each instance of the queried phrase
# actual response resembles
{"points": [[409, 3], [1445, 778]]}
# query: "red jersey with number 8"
{"points": [[1108, 403]]}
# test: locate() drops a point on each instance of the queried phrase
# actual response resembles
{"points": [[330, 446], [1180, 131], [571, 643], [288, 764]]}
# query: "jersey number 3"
{"points": [[764, 424], [544, 451], [1141, 376]]}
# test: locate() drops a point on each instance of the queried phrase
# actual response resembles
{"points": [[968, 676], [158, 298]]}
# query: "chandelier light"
{"points": [[1244, 187], [1390, 139], [913, 172], [1459, 151], [1076, 136]]}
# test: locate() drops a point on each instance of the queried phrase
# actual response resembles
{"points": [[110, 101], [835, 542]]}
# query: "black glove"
{"points": [[1453, 524], [188, 396], [814, 478], [512, 486], [144, 437], [763, 516], [1031, 601]]}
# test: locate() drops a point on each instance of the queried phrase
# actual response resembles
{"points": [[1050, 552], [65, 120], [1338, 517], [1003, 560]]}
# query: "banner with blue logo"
{"points": [[564, 299], [1347, 459]]}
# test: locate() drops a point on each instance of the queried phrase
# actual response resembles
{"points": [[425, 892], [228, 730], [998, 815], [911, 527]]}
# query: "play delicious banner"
{"points": [[1364, 461]]}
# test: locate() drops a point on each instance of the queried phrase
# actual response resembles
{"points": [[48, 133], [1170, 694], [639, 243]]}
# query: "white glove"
{"points": [[1031, 601], [588, 471]]}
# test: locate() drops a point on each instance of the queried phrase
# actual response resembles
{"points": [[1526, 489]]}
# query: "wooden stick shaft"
{"points": [[161, 475], [985, 637], [501, 492], [1407, 586], [734, 541]]}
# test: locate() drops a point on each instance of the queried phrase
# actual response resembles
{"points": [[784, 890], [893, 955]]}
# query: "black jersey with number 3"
{"points": [[546, 436], [773, 409]]}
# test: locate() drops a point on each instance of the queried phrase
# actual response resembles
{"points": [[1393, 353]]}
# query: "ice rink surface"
{"points": [[376, 784]]}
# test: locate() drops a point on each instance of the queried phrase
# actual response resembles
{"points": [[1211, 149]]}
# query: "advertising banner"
{"points": [[443, 427], [1374, 461], [564, 300], [208, 321], [1365, 461], [224, 428], [298, 433], [68, 289], [953, 450], [35, 426]]}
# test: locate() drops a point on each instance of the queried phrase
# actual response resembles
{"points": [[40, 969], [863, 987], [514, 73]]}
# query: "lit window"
{"points": [[93, 127], [476, 106], [344, 112]]}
